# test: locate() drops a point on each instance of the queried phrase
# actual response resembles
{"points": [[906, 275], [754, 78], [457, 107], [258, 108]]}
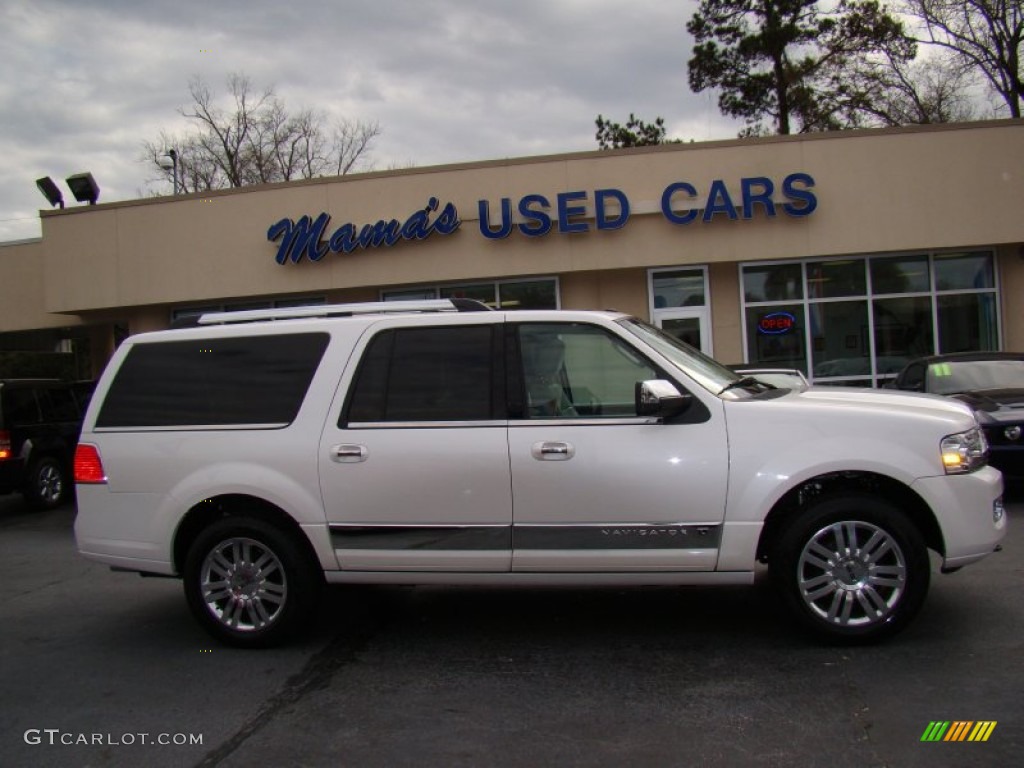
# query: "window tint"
{"points": [[20, 407], [426, 374], [229, 381], [59, 405], [579, 371]]}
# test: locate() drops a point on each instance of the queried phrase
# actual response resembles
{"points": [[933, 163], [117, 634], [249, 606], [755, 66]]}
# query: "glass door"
{"points": [[689, 325], [680, 305]]}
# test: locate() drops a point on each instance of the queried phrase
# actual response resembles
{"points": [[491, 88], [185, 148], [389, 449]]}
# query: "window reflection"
{"points": [[678, 288], [967, 323], [829, 279], [773, 282], [964, 271], [840, 339], [900, 274], [903, 330]]}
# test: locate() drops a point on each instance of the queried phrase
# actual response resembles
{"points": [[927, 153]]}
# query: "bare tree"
{"points": [[934, 90], [984, 35], [256, 140]]}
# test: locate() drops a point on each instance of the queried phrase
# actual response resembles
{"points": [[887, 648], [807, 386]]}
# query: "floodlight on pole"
{"points": [[84, 187], [50, 191]]}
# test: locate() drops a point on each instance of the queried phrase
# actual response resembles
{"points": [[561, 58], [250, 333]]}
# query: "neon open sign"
{"points": [[776, 323]]}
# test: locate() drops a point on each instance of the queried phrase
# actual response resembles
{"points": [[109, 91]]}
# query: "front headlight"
{"points": [[964, 452]]}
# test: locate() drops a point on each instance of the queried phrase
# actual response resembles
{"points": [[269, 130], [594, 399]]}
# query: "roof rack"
{"points": [[334, 310]]}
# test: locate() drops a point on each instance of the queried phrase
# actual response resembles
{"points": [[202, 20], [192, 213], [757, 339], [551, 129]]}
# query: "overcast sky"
{"points": [[83, 83]]}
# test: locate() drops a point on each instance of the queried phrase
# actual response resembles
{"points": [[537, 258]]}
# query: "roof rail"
{"points": [[336, 310]]}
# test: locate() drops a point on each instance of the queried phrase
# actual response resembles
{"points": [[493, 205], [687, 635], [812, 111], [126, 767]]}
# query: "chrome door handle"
{"points": [[349, 453], [552, 451]]}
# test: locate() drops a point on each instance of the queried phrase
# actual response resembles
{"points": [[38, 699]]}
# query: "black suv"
{"points": [[39, 425]]}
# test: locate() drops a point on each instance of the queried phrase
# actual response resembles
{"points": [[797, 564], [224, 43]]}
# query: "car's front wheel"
{"points": [[250, 583], [852, 568]]}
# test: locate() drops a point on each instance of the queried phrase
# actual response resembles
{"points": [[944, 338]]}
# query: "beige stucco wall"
{"points": [[944, 187], [1011, 283], [23, 288]]}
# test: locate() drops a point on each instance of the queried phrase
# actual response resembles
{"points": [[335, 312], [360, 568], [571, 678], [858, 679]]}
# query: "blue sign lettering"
{"points": [[666, 203], [752, 197], [307, 237], [567, 212], [808, 200], [755, 192], [601, 198], [540, 221], [304, 237], [719, 201], [489, 231]]}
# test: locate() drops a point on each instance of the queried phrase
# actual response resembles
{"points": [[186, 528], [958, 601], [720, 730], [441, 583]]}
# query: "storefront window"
{"points": [[528, 294], [900, 274], [484, 292], [964, 271], [503, 294], [840, 338], [861, 331], [678, 288], [242, 306], [416, 294], [903, 331], [829, 279], [777, 336], [967, 323], [773, 282]]}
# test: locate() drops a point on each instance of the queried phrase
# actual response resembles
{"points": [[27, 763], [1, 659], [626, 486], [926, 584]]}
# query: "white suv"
{"points": [[259, 454]]}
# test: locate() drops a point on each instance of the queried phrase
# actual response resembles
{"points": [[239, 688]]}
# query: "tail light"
{"points": [[5, 444], [89, 465]]}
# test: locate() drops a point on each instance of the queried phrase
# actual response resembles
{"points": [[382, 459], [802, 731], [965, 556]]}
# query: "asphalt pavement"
{"points": [[98, 668]]}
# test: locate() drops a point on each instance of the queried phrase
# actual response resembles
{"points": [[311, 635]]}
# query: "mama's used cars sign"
{"points": [[535, 215]]}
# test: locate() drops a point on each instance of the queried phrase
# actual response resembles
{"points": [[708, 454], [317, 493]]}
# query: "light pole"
{"points": [[173, 155]]}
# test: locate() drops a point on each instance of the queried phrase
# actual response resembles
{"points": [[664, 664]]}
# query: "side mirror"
{"points": [[660, 398]]}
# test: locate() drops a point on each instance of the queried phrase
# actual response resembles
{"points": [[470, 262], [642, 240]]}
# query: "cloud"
{"points": [[83, 83]]}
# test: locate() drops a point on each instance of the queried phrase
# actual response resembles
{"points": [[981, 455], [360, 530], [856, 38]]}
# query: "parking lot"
{"points": [[108, 669]]}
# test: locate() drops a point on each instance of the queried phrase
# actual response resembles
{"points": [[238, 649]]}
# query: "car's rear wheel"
{"points": [[250, 583], [46, 486], [852, 568]]}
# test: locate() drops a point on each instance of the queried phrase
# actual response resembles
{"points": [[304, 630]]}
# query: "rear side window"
{"points": [[427, 374], [20, 407], [212, 382], [59, 404]]}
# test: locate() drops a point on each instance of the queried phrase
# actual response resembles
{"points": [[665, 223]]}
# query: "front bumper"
{"points": [[969, 511]]}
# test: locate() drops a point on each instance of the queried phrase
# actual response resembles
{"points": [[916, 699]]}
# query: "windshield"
{"points": [[709, 373], [951, 378]]}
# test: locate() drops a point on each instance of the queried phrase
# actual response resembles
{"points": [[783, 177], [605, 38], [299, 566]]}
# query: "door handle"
{"points": [[349, 453], [552, 451]]}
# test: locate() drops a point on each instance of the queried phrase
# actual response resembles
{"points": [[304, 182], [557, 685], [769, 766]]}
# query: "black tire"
{"points": [[47, 485], [249, 583], [851, 569]]}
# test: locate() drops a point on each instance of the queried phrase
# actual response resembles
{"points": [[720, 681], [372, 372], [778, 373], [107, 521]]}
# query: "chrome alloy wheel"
{"points": [[852, 573], [50, 484], [243, 584]]}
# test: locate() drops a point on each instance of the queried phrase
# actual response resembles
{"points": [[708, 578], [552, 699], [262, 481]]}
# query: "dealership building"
{"points": [[843, 254]]}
